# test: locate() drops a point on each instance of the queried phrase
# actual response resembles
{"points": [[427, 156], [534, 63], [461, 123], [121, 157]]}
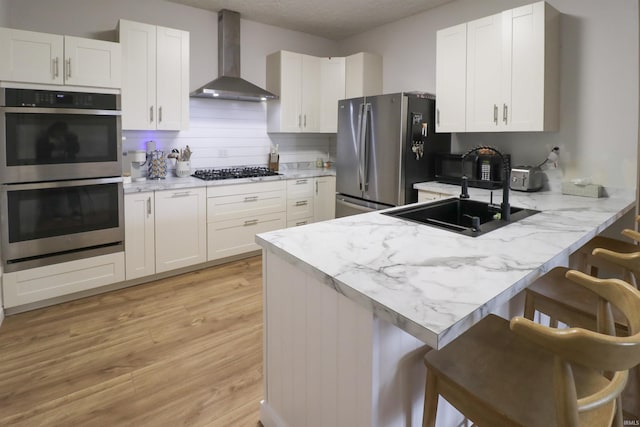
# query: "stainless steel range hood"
{"points": [[229, 85]]}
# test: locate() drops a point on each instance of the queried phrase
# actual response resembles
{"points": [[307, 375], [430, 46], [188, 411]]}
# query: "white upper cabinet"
{"points": [[484, 73], [332, 89], [295, 78], [32, 57], [512, 72], [363, 75], [451, 79], [310, 87], [531, 54], [155, 78]]}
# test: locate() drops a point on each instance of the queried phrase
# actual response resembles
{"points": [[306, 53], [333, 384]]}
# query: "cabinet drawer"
{"points": [[299, 187], [252, 187], [299, 208], [298, 222], [51, 281], [237, 236], [245, 205]]}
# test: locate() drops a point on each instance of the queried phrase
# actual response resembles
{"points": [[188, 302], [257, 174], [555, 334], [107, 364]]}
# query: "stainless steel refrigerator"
{"points": [[385, 144]]}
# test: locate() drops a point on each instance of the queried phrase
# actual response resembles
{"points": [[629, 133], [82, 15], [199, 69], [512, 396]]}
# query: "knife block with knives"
{"points": [[274, 158]]}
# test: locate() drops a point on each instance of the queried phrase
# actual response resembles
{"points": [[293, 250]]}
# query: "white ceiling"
{"points": [[332, 19]]}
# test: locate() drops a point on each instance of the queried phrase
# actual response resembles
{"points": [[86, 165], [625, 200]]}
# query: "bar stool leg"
{"points": [[430, 401]]}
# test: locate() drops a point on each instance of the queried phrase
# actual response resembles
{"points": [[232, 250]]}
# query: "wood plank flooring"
{"points": [[182, 351]]}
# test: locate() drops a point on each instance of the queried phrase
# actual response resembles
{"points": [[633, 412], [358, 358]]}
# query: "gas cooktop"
{"points": [[231, 173]]}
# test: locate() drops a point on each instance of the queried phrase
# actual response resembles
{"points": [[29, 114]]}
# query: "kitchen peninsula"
{"points": [[352, 305]]}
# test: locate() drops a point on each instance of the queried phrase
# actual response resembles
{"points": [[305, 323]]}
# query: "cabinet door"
{"points": [[311, 79], [31, 57], [484, 73], [52, 281], [139, 240], [451, 79], [95, 63], [324, 204], [180, 228], [363, 75], [138, 43], [173, 79], [290, 92], [525, 70], [332, 89]]}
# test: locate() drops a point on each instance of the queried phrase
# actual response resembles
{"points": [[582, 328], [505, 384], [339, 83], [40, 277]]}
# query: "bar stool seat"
{"points": [[520, 373]]}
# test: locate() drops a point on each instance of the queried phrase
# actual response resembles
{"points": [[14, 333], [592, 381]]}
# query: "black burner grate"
{"points": [[232, 173]]}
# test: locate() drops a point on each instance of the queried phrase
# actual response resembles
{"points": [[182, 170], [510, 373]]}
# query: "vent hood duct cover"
{"points": [[229, 85]]}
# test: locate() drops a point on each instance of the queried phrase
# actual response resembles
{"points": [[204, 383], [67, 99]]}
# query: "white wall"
{"points": [[222, 133], [599, 82], [4, 13]]}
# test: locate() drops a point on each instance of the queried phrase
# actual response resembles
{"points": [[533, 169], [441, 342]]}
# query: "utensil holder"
{"points": [[183, 168]]}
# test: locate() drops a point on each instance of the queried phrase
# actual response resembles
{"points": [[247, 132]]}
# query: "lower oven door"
{"points": [[50, 222]]}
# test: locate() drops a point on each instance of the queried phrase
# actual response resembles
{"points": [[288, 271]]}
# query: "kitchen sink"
{"points": [[463, 216]]}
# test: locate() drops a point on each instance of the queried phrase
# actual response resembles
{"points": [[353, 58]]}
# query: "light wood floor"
{"points": [[184, 351]]}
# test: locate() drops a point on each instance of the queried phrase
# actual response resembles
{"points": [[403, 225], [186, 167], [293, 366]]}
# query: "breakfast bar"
{"points": [[352, 305]]}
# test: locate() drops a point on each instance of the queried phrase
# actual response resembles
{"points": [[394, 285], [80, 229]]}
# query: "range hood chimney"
{"points": [[229, 85]]}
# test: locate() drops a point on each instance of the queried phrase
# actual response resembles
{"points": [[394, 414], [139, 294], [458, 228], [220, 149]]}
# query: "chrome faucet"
{"points": [[506, 179]]}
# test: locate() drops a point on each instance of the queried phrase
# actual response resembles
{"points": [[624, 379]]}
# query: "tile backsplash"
{"points": [[231, 133]]}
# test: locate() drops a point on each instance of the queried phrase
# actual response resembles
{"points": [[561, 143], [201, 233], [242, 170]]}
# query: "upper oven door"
{"points": [[44, 144]]}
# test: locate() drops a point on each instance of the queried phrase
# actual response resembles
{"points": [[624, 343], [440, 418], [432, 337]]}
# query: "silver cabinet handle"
{"points": [[55, 70], [301, 223], [151, 114], [302, 203], [181, 194], [250, 222], [305, 120], [495, 114], [68, 68], [301, 181], [251, 198], [148, 206], [299, 120], [505, 113], [159, 114], [438, 116]]}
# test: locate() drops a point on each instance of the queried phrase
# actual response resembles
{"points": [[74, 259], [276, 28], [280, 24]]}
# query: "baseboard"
{"points": [[268, 416]]}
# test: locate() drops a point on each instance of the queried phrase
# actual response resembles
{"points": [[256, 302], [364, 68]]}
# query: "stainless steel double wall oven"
{"points": [[61, 196]]}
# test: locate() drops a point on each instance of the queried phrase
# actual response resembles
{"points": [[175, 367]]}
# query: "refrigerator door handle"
{"points": [[360, 140], [363, 168]]}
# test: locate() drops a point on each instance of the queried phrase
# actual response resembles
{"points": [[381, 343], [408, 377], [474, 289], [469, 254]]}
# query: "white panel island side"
{"points": [[352, 305]]}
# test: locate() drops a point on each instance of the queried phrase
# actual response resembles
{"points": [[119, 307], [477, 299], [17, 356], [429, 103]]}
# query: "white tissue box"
{"points": [[590, 190]]}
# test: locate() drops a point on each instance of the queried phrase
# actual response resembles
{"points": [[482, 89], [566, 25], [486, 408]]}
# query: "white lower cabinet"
{"points": [[236, 213], [51, 281], [300, 201], [324, 198], [139, 235], [180, 228]]}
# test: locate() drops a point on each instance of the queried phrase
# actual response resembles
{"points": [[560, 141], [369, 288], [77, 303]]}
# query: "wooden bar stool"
{"points": [[521, 373], [566, 302], [593, 264]]}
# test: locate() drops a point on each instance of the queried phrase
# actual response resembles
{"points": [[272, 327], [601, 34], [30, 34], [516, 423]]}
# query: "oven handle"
{"points": [[39, 110], [60, 184]]}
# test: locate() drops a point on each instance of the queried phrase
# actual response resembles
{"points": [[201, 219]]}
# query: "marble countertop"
{"points": [[435, 284], [172, 183]]}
